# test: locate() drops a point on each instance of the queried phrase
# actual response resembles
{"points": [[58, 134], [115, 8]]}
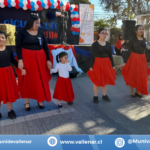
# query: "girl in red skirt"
{"points": [[8, 87], [135, 70], [119, 46], [33, 54], [102, 70], [63, 90]]}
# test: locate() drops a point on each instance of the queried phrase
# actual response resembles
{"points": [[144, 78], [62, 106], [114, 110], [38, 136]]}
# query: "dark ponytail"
{"points": [[57, 58], [99, 31], [60, 55]]}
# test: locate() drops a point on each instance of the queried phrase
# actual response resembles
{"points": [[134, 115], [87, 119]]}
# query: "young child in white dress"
{"points": [[63, 90]]}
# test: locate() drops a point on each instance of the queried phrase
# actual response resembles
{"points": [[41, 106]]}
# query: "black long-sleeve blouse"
{"points": [[7, 58], [136, 46], [32, 42], [100, 51]]}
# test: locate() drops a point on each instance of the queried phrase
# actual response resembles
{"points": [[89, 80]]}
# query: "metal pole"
{"points": [[63, 25], [128, 9]]}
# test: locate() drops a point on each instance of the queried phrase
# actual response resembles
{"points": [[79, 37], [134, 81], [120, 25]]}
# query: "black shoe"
{"points": [[138, 95], [28, 108], [41, 107], [0, 115], [60, 105], [70, 103], [95, 99], [134, 96], [14, 113], [11, 114], [106, 98]]}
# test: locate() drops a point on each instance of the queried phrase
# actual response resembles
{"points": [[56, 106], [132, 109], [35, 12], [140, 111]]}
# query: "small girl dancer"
{"points": [[8, 87], [63, 90]]}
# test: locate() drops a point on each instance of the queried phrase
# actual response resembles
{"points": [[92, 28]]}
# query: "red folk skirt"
{"points": [[103, 73], [35, 84], [8, 87], [136, 72], [64, 90]]}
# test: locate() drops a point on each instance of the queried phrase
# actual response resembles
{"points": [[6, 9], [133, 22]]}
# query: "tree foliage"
{"points": [[77, 2], [114, 34], [126, 9], [101, 23]]}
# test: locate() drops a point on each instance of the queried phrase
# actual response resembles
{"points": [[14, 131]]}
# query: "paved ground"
{"points": [[124, 115]]}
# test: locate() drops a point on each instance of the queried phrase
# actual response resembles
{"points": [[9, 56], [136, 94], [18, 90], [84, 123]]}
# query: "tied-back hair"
{"points": [[99, 31], [33, 17], [4, 33], [134, 34], [60, 55], [119, 36]]}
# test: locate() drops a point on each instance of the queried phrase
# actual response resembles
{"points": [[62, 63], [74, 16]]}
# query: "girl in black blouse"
{"points": [[135, 71], [8, 87], [102, 70], [33, 54]]}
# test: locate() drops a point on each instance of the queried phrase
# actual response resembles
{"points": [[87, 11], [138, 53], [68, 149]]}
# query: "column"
{"points": [[108, 31]]}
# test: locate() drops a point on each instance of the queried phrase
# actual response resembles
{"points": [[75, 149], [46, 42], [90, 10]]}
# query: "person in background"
{"points": [[62, 17], [118, 45], [125, 44]]}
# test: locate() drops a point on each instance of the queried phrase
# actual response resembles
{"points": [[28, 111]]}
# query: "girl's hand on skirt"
{"points": [[20, 64], [49, 65], [121, 66], [114, 68], [23, 72], [91, 69]]}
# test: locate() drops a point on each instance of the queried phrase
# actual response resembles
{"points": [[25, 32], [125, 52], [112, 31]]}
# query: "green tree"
{"points": [[125, 9], [114, 34], [101, 23], [77, 2]]}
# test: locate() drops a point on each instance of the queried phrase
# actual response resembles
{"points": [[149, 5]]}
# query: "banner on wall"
{"points": [[86, 24], [18, 17]]}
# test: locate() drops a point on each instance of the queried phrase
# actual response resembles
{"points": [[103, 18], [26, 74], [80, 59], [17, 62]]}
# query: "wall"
{"points": [[144, 21]]}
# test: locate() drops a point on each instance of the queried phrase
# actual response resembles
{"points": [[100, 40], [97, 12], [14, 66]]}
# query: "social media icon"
{"points": [[52, 141], [119, 142]]}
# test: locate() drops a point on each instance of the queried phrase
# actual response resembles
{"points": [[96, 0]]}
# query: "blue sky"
{"points": [[99, 12]]}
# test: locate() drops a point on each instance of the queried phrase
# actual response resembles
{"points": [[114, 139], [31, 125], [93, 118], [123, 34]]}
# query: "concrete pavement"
{"points": [[124, 115]]}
